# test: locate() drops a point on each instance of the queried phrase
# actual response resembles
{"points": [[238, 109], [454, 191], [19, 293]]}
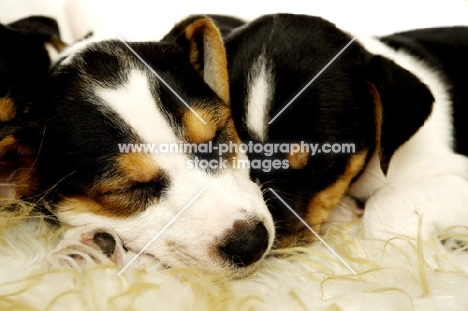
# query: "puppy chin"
{"points": [[213, 267]]}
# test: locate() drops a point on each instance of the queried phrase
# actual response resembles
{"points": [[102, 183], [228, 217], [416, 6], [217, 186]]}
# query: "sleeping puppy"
{"points": [[104, 99], [400, 101], [28, 46]]}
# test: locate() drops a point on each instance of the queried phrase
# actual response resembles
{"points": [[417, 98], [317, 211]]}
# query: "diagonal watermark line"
{"points": [[315, 233], [162, 80], [310, 82], [161, 232]]}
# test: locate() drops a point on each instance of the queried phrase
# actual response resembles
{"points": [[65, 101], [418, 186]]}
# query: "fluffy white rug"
{"points": [[399, 274]]}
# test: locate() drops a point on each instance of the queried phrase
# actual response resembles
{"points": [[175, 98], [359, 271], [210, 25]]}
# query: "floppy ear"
{"points": [[37, 25], [403, 103], [43, 29], [201, 39]]}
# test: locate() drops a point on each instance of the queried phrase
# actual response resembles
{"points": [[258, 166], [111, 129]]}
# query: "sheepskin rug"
{"points": [[399, 274]]}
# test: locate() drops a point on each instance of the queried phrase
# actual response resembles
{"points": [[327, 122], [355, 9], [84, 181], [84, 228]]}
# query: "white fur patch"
{"points": [[259, 99], [135, 104]]}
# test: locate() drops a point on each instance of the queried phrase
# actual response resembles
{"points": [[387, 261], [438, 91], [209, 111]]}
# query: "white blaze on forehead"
{"points": [[260, 94], [136, 105]]}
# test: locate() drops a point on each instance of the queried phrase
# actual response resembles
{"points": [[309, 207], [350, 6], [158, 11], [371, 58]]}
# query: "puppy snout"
{"points": [[245, 243]]}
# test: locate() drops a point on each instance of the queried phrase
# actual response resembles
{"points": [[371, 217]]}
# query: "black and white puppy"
{"points": [[28, 47], [400, 100]]}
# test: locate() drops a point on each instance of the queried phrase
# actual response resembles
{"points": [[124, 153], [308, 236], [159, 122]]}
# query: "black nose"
{"points": [[245, 243]]}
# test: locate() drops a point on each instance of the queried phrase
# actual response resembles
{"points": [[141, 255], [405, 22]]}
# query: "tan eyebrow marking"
{"points": [[196, 131]]}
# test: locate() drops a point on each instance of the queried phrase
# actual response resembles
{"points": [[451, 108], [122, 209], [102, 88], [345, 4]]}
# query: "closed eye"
{"points": [[151, 189], [136, 195], [154, 187]]}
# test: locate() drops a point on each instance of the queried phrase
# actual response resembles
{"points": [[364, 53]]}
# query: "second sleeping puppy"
{"points": [[399, 101]]}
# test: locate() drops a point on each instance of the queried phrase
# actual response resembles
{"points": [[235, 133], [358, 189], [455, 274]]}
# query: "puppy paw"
{"points": [[454, 245], [347, 210], [454, 239], [83, 246]]}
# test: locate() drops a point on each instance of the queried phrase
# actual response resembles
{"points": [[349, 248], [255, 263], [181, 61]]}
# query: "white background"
{"points": [[147, 19]]}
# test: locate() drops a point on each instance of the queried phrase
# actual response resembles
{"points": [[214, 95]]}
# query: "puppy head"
{"points": [[105, 98], [27, 49]]}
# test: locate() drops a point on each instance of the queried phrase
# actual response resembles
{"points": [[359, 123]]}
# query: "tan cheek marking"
{"points": [[108, 196], [320, 206], [115, 206], [79, 205], [7, 109], [138, 167], [298, 160]]}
